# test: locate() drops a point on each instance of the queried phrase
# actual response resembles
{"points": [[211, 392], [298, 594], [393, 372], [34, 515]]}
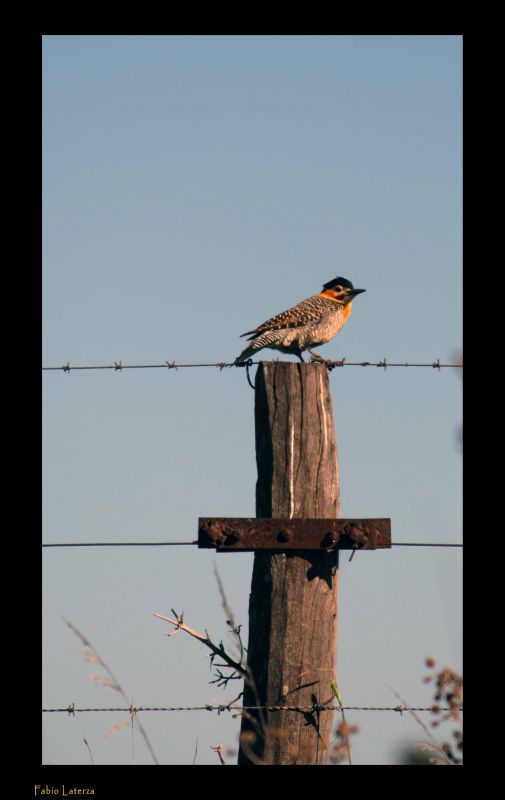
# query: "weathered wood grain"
{"points": [[293, 602]]}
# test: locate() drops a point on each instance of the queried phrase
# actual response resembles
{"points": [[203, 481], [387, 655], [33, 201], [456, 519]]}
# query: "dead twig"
{"points": [[343, 731], [180, 625], [89, 749], [218, 748]]}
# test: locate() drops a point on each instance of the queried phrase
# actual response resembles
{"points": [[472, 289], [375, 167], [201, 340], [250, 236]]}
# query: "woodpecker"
{"points": [[312, 322]]}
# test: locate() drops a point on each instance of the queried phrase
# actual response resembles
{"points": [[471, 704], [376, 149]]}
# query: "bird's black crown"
{"points": [[343, 282]]}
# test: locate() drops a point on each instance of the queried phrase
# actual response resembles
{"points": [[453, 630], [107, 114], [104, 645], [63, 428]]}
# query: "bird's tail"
{"points": [[246, 354]]}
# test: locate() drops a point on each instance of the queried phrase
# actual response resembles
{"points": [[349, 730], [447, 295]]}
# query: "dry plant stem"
{"points": [[133, 715], [89, 749], [335, 691], [256, 760], [120, 689], [219, 750], [419, 722], [229, 614], [248, 676]]}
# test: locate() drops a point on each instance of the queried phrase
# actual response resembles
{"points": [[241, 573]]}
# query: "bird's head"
{"points": [[341, 290]]}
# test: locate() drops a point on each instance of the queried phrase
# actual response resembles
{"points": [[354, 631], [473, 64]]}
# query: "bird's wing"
{"points": [[307, 310]]}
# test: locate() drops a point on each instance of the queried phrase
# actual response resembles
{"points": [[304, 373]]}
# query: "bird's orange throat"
{"points": [[330, 294]]}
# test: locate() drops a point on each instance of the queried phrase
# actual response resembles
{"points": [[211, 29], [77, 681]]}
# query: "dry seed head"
{"points": [[114, 729], [90, 657], [344, 729], [98, 680]]}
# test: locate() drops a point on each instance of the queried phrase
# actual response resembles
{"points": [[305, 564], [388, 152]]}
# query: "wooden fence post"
{"points": [[293, 602]]}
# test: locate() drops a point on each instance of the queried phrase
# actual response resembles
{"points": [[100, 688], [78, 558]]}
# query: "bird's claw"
{"points": [[338, 363], [317, 359]]}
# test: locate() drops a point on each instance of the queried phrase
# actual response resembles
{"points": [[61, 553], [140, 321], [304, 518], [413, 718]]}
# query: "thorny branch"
{"points": [[239, 666], [218, 650]]}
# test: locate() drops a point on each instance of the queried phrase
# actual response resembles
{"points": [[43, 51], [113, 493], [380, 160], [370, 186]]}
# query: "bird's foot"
{"points": [[316, 358], [332, 364]]}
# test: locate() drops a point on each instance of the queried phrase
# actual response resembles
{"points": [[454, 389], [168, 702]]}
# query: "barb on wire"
{"points": [[221, 708], [119, 366]]}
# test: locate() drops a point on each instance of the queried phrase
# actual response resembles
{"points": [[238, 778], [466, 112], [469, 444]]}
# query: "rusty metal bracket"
{"points": [[230, 534]]}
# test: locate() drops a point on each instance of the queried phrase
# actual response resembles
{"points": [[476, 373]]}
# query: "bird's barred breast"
{"points": [[326, 328], [310, 335]]}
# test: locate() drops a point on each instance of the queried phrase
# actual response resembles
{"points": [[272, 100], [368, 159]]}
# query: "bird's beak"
{"points": [[354, 292]]}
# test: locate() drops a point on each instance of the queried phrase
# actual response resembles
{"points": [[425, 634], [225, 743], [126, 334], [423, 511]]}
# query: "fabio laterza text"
{"points": [[62, 791]]}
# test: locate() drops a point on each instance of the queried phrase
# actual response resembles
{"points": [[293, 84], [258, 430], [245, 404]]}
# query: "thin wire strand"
{"points": [[399, 709], [119, 544], [424, 544], [118, 366], [195, 542]]}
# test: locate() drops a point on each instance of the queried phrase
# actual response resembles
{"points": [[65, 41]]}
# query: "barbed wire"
{"points": [[72, 710], [195, 542], [118, 366]]}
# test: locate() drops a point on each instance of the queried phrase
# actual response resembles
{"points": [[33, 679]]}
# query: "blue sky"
{"points": [[192, 187]]}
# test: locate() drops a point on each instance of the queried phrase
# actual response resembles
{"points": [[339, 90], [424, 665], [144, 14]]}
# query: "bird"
{"points": [[312, 322]]}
